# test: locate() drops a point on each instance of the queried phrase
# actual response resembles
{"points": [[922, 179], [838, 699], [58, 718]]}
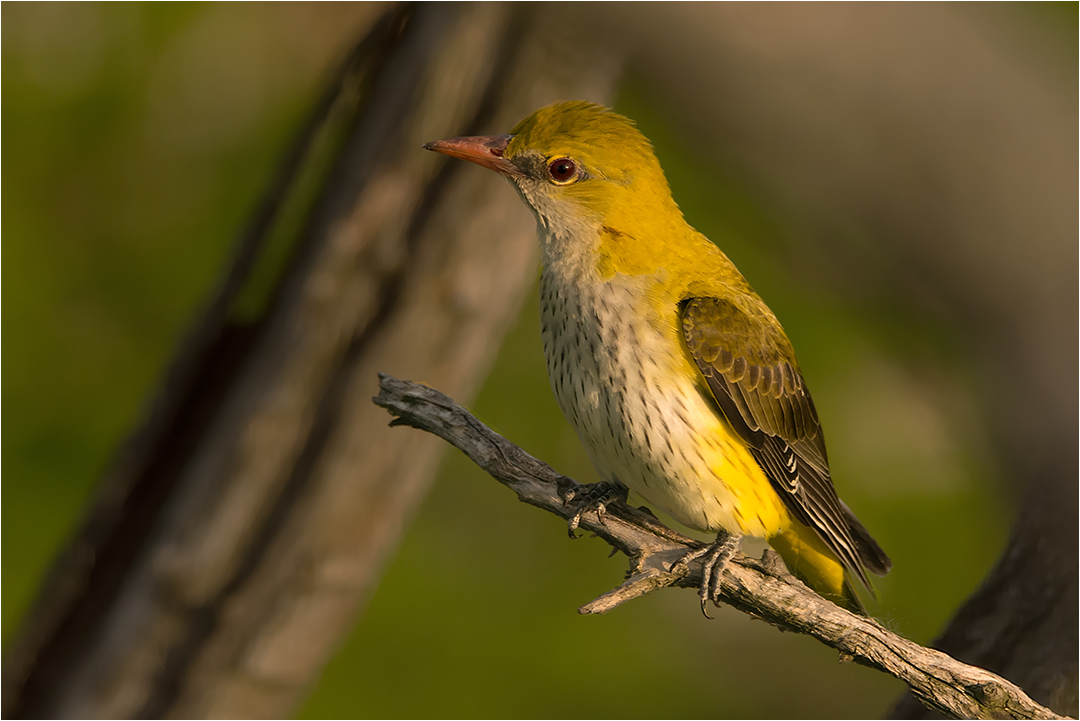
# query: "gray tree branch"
{"points": [[946, 134], [761, 588]]}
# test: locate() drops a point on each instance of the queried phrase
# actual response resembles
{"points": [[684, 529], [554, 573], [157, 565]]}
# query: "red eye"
{"points": [[562, 170]]}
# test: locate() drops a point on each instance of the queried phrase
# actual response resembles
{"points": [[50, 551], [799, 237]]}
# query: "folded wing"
{"points": [[750, 368]]}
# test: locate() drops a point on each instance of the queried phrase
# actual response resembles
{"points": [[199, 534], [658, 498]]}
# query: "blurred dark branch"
{"points": [[761, 588], [235, 536], [84, 582]]}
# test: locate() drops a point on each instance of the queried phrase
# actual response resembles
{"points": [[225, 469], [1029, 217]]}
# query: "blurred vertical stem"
{"points": [[248, 516]]}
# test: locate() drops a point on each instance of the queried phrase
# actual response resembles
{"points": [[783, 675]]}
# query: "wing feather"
{"points": [[750, 368]]}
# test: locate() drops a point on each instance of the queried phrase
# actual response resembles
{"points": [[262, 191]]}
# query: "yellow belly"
{"points": [[640, 409]]}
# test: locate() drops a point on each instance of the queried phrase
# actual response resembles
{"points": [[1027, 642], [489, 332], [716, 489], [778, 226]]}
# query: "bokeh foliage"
{"points": [[138, 138]]}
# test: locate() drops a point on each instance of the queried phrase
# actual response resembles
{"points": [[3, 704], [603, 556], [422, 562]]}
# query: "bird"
{"points": [[676, 376]]}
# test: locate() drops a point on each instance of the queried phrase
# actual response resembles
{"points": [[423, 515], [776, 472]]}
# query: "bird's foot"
{"points": [[715, 555], [592, 497]]}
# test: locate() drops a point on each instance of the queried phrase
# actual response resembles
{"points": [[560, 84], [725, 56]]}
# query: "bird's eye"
{"points": [[562, 170]]}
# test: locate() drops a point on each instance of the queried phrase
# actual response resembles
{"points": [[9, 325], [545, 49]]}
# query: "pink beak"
{"points": [[484, 150]]}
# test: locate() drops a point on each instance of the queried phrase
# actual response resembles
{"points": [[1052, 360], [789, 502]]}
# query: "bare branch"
{"points": [[762, 588]]}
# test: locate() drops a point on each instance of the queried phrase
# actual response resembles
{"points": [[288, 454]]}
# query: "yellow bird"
{"points": [[678, 379]]}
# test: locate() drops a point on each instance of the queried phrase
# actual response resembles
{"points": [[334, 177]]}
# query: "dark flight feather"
{"points": [[751, 371]]}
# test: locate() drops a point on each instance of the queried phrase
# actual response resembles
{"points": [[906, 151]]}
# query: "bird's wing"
{"points": [[750, 367]]}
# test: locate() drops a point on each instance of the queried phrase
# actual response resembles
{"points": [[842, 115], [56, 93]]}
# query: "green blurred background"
{"points": [[137, 140]]}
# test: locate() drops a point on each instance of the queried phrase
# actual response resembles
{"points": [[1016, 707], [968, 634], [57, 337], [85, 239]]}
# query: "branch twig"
{"points": [[762, 588]]}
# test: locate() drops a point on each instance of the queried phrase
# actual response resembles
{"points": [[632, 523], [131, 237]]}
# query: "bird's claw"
{"points": [[716, 555], [591, 497]]}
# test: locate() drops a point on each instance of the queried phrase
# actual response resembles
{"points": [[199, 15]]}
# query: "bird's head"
{"points": [[577, 165]]}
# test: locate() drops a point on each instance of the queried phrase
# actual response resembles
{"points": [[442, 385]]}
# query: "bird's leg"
{"points": [[592, 497], [716, 555]]}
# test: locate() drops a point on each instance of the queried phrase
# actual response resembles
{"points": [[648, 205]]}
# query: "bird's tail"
{"points": [[815, 565], [870, 554]]}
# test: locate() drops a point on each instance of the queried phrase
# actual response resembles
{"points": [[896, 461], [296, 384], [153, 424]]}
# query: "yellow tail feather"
{"points": [[815, 565]]}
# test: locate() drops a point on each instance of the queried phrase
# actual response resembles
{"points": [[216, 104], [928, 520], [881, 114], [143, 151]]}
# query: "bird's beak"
{"points": [[484, 150]]}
